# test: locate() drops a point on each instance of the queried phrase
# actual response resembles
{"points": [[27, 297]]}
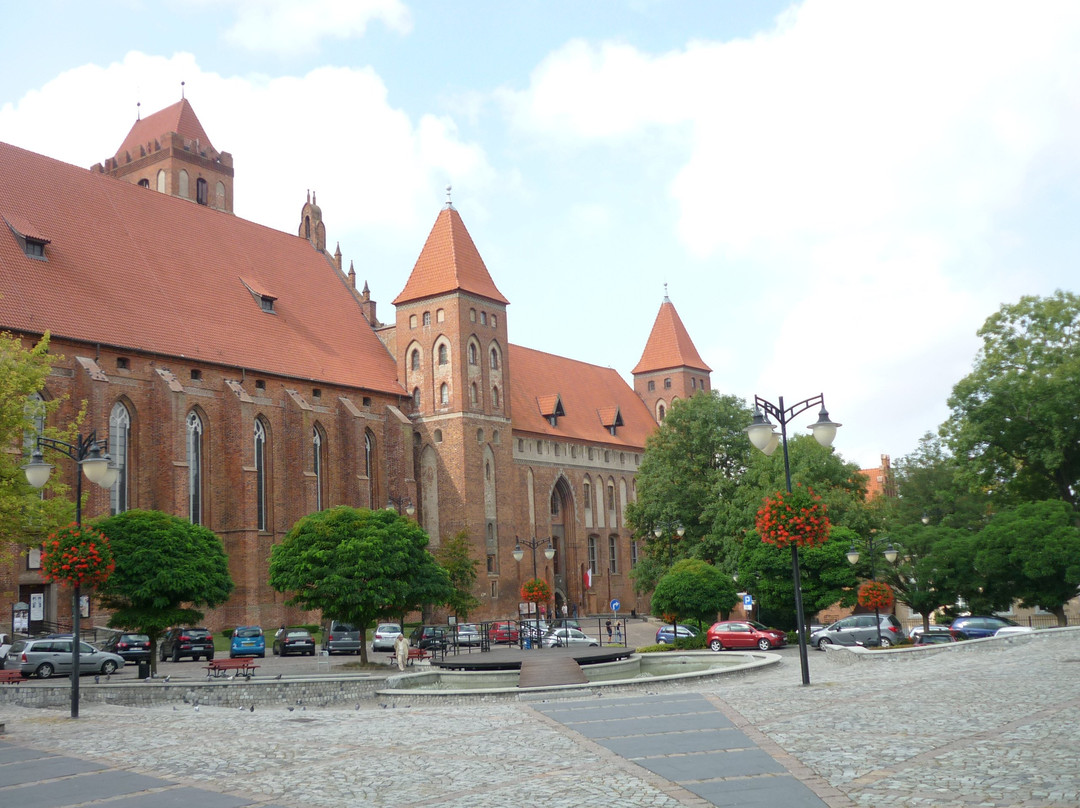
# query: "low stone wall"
{"points": [[303, 692]]}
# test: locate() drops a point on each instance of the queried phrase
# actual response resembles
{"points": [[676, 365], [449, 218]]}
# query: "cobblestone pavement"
{"points": [[986, 723]]}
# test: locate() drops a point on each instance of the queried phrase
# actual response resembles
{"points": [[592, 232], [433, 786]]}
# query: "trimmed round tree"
{"points": [[166, 569], [694, 590]]}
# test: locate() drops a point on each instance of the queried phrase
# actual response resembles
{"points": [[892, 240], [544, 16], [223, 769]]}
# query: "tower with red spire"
{"points": [[670, 367]]}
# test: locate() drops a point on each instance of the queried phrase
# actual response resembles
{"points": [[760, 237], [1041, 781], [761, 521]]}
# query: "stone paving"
{"points": [[984, 723]]}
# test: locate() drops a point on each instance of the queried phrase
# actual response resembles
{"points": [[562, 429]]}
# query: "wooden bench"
{"points": [[415, 654], [237, 667], [11, 677]]}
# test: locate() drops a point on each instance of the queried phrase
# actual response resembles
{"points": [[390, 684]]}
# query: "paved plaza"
{"points": [[987, 723]]}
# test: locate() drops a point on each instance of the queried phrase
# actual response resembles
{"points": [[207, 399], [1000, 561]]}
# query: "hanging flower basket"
{"points": [[77, 555], [798, 517], [535, 590], [875, 595]]}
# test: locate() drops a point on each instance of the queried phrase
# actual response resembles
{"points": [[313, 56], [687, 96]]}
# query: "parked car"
{"points": [[533, 630], [342, 638], [976, 626], [666, 635], [1005, 631], [132, 647], [562, 637], [50, 656], [937, 635], [294, 641], [186, 642], [429, 638], [5, 645], [247, 641], [385, 634], [466, 634], [504, 631], [859, 629], [743, 634]]}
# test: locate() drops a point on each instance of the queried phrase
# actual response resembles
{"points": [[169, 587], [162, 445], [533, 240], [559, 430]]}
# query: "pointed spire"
{"points": [[449, 203], [669, 344]]}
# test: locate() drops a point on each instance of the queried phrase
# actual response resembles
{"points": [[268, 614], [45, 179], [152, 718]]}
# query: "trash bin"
{"points": [[144, 668], [528, 642]]}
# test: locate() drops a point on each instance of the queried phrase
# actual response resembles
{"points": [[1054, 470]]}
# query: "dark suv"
{"points": [[132, 647], [182, 642], [429, 638], [974, 627]]}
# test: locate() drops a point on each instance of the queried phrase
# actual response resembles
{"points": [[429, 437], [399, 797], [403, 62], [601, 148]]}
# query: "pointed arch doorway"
{"points": [[562, 538]]}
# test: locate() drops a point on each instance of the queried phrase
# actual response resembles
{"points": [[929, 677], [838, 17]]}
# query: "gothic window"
{"points": [[587, 495], [202, 191], [119, 435], [661, 412], [416, 397], [219, 193], [613, 554], [444, 394], [472, 315], [554, 503], [610, 497], [483, 318], [444, 354], [473, 394], [412, 321], [184, 190], [494, 320], [633, 554], [472, 353], [494, 358], [195, 467], [495, 397], [318, 462], [594, 561], [438, 436], [414, 359], [260, 474], [369, 465], [161, 181]]}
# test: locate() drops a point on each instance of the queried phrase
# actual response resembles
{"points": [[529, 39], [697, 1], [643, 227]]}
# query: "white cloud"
{"points": [[287, 26]]}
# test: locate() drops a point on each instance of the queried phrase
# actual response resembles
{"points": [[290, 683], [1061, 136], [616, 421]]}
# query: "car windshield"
{"points": [[757, 625]]}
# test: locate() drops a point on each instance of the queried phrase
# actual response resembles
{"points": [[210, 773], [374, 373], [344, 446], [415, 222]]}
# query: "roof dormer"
{"points": [[551, 408], [610, 417], [30, 238], [263, 297]]}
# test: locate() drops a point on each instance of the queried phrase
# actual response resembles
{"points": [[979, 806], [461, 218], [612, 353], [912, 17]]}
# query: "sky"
{"points": [[835, 195]]}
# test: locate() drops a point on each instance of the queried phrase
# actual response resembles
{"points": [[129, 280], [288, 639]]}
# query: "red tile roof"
{"points": [[669, 345], [590, 395], [133, 268], [449, 262], [179, 118]]}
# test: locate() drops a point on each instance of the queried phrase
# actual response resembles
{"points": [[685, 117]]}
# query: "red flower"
{"points": [[875, 595], [798, 517], [77, 555]]}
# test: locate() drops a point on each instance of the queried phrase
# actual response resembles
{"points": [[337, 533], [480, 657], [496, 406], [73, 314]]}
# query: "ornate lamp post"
{"points": [[98, 468], [401, 505], [672, 529], [763, 437], [890, 556], [549, 553]]}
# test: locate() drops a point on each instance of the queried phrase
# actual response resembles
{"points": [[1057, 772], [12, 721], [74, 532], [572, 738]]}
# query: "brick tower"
{"points": [[670, 367]]}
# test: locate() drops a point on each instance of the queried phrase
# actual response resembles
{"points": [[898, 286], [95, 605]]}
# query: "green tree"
{"points": [[453, 555], [923, 576], [1014, 416], [25, 516], [931, 485], [358, 566], [1032, 554], [166, 568], [694, 590], [697, 455]]}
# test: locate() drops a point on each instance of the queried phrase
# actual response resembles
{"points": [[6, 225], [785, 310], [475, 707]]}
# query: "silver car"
{"points": [[44, 658], [860, 629], [562, 637]]}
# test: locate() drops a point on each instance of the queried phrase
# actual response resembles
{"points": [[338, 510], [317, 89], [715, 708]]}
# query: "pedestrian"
{"points": [[575, 610], [618, 632], [609, 631], [401, 651], [565, 611]]}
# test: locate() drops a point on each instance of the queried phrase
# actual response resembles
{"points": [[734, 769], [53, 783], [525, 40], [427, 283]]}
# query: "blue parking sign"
{"points": [[748, 601]]}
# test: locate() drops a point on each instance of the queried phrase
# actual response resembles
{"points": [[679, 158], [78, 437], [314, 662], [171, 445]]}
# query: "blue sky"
{"points": [[837, 193]]}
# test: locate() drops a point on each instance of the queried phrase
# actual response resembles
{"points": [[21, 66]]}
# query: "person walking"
{"points": [[609, 631], [565, 611], [618, 632], [401, 651]]}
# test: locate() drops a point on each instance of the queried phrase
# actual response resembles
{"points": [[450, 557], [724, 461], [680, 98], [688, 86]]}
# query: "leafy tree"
{"points": [[357, 566], [694, 590], [165, 568], [453, 555], [924, 576], [25, 516], [1014, 416], [697, 455], [931, 485], [1032, 554]]}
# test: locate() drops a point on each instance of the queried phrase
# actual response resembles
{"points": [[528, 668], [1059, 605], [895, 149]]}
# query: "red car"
{"points": [[504, 631], [743, 634]]}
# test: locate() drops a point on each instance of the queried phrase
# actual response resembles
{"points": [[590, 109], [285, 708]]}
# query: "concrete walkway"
{"points": [[985, 723]]}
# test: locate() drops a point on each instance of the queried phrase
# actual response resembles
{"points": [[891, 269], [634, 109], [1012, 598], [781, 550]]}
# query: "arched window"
{"points": [[438, 436], [161, 181], [260, 475], [202, 191], [427, 318], [144, 183], [184, 190], [444, 354], [661, 412], [317, 465], [473, 397], [412, 321], [369, 466], [472, 353], [440, 315], [495, 397], [494, 358], [444, 394], [219, 193], [415, 359], [667, 384], [195, 467], [119, 435], [416, 397]]}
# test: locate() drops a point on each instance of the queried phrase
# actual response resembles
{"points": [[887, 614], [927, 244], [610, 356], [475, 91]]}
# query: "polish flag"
{"points": [[588, 578]]}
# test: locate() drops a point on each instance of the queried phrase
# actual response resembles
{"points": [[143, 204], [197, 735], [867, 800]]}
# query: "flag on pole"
{"points": [[588, 578]]}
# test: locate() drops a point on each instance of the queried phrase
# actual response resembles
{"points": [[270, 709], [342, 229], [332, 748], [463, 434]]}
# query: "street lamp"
{"points": [[672, 529], [549, 553], [402, 504], [890, 556], [98, 468], [763, 437]]}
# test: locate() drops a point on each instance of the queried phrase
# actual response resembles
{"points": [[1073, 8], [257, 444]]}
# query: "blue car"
{"points": [[976, 626], [247, 641]]}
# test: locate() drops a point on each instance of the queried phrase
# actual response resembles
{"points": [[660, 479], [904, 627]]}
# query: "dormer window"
{"points": [[31, 239], [267, 303], [551, 408]]}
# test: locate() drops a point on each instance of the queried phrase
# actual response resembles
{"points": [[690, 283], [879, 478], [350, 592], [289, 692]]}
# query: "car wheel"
{"points": [[262, 655], [209, 657], [311, 652], [763, 644], [276, 651], [176, 655], [824, 640], [886, 642], [593, 644], [716, 645], [162, 653], [44, 670], [108, 667]]}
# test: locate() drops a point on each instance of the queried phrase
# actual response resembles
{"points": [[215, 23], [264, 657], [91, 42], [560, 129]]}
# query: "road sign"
{"points": [[748, 601], [615, 605]]}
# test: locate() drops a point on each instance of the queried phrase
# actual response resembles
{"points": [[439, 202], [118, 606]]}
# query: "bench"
{"points": [[415, 654], [10, 677], [238, 667]]}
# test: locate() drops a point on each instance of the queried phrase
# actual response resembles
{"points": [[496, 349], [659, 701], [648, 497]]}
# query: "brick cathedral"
{"points": [[243, 381]]}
